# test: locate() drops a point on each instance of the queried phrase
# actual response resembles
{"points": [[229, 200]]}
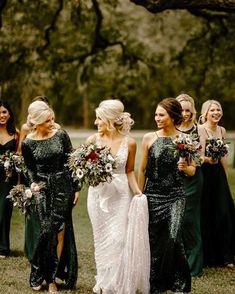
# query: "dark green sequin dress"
{"points": [[46, 161], [192, 238], [5, 204], [166, 200]]}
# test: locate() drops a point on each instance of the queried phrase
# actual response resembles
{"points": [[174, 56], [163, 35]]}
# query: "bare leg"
{"points": [[52, 288], [60, 245]]}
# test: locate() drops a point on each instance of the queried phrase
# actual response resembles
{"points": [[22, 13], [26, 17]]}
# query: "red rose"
{"points": [[181, 146], [93, 156]]}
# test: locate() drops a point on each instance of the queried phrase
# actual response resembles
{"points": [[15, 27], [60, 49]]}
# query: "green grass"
{"points": [[14, 270]]}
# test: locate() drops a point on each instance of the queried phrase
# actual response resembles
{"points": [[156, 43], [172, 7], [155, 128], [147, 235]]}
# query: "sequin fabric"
{"points": [[6, 204], [46, 161], [166, 202], [120, 269]]}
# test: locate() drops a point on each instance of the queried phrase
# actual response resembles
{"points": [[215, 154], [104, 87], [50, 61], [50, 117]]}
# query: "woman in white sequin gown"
{"points": [[108, 205]]}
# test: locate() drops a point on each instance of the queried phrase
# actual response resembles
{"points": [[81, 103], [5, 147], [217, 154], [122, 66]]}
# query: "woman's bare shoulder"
{"points": [[91, 139]]}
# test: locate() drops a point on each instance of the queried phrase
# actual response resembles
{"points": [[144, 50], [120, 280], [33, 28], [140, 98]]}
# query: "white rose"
{"points": [[28, 193], [7, 164], [110, 157]]}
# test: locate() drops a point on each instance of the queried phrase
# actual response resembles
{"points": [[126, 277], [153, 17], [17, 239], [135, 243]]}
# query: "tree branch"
{"points": [[51, 27], [156, 6], [3, 3]]}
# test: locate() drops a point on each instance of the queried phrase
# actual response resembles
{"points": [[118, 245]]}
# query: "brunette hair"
{"points": [[173, 108], [41, 98], [10, 126]]}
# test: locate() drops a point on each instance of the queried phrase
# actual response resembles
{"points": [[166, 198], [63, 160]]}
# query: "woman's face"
{"points": [[49, 124], [101, 125], [186, 111], [162, 118], [4, 115], [214, 113]]}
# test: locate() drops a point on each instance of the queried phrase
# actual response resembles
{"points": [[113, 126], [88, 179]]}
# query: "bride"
{"points": [[121, 260]]}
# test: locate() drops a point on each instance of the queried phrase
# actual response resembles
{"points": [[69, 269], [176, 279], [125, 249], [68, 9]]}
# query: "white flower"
{"points": [[108, 167], [219, 142], [28, 193], [7, 164], [110, 157], [79, 173]]}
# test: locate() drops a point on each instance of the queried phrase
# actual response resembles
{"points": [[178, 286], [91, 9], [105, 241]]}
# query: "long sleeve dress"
{"points": [[5, 204], [46, 161], [166, 202]]}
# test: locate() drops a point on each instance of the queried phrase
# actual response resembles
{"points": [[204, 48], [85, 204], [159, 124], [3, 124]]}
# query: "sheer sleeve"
{"points": [[29, 162]]}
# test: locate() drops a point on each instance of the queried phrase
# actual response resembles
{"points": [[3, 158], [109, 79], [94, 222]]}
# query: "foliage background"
{"points": [[78, 52]]}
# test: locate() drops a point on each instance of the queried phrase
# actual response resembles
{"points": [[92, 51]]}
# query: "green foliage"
{"points": [[78, 52]]}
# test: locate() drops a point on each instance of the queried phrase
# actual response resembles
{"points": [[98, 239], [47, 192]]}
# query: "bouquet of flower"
{"points": [[216, 148], [187, 146], [12, 162], [92, 164], [24, 198]]}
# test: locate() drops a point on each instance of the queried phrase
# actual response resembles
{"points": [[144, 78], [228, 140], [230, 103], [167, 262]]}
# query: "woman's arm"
{"points": [[224, 160], [130, 167], [24, 131], [189, 168], [143, 162]]}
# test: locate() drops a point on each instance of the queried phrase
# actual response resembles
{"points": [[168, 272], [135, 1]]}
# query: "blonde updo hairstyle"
{"points": [[206, 107], [111, 112], [189, 99], [38, 113]]}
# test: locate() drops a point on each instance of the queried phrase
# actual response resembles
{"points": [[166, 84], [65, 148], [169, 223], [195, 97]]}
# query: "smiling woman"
{"points": [[8, 143], [109, 204], [161, 179], [45, 151], [218, 211]]}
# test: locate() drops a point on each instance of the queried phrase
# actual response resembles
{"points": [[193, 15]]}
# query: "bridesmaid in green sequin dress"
{"points": [[193, 188], [45, 151], [161, 179], [8, 142], [32, 225]]}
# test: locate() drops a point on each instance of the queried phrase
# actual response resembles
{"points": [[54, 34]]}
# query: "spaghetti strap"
{"points": [[208, 135], [221, 130]]}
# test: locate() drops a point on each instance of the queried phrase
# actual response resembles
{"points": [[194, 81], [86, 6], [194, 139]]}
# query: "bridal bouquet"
{"points": [[12, 162], [216, 148], [187, 146], [24, 198], [91, 164]]}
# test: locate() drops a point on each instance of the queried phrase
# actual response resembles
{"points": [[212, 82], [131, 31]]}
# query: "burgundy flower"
{"points": [[181, 146], [93, 156]]}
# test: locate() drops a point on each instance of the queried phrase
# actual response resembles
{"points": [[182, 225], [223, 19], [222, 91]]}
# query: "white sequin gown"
{"points": [[108, 207]]}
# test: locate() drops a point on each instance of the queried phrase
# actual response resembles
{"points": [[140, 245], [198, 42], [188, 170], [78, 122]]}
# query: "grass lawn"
{"points": [[14, 271]]}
